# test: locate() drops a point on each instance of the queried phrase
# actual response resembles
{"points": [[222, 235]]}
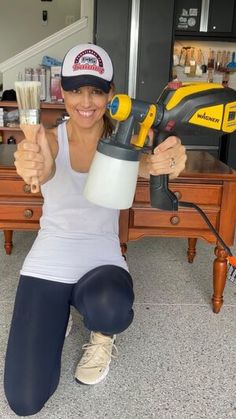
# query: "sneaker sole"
{"points": [[96, 381], [69, 326]]}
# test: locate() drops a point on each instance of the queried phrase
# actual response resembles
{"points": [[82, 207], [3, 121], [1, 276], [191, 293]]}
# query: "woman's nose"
{"points": [[86, 99]]}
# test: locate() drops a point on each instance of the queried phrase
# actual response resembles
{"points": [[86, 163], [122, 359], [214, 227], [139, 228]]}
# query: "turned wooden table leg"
{"points": [[8, 244], [219, 278], [191, 252]]}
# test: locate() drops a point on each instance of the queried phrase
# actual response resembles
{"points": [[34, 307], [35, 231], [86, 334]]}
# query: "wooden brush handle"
{"points": [[30, 132]]}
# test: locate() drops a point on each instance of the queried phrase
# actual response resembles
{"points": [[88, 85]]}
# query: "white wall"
{"points": [[21, 22], [32, 57]]}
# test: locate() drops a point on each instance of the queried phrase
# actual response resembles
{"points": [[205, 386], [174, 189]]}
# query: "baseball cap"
{"points": [[86, 65]]}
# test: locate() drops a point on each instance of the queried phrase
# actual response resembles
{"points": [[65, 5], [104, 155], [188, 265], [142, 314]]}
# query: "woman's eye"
{"points": [[93, 91], [97, 92]]}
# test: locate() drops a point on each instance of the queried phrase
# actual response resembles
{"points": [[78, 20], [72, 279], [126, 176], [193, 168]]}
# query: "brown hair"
{"points": [[108, 123]]}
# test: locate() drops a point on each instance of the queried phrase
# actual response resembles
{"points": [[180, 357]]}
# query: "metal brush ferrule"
{"points": [[29, 116]]}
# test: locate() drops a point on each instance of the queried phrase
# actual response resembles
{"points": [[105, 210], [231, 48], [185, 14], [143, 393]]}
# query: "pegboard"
{"points": [[178, 71]]}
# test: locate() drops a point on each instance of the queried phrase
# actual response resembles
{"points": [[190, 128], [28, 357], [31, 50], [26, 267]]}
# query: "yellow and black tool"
{"points": [[192, 107], [181, 109]]}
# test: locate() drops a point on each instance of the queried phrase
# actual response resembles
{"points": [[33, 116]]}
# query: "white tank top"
{"points": [[75, 235]]}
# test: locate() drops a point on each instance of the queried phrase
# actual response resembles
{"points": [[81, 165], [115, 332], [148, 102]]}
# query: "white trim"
{"points": [[204, 16], [86, 8], [133, 55], [83, 8], [44, 44]]}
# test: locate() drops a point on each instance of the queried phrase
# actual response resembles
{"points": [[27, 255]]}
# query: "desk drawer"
{"points": [[16, 188], [199, 194], [20, 212], [190, 219]]}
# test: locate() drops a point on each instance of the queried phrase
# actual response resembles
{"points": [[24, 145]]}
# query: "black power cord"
{"points": [[206, 219]]}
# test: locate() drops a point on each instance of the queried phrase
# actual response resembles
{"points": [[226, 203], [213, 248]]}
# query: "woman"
{"points": [[76, 258]]}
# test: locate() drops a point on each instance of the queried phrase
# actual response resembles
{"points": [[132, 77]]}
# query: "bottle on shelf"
{"points": [[211, 66], [1, 117]]}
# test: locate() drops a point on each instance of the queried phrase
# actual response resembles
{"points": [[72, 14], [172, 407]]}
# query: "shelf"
{"points": [[52, 105], [10, 128], [204, 36], [50, 114], [43, 105]]}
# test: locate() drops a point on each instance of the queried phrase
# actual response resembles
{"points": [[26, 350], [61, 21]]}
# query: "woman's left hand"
{"points": [[169, 158]]}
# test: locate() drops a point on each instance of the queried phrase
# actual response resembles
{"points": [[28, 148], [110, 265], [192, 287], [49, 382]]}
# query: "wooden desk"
{"points": [[206, 181]]}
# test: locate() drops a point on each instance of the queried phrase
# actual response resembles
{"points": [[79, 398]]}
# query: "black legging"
{"points": [[104, 297]]}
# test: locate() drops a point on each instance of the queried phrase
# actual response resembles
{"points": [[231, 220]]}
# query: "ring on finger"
{"points": [[172, 162]]}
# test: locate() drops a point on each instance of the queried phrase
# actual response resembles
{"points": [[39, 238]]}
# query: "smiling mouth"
{"points": [[86, 114]]}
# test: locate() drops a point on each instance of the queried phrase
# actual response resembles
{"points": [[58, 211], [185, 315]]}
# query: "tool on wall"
{"points": [[187, 67], [181, 109], [210, 66], [183, 54], [224, 68], [218, 61], [199, 63], [192, 63], [232, 64]]}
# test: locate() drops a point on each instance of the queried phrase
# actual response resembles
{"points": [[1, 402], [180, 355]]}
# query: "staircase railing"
{"points": [[54, 45]]}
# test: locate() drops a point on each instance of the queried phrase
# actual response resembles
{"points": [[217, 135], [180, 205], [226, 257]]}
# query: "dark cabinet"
{"points": [[187, 15], [205, 18], [155, 48], [231, 151], [153, 24], [221, 16], [112, 32]]}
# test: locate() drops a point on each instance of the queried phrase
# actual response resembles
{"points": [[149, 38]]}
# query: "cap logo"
{"points": [[84, 61]]}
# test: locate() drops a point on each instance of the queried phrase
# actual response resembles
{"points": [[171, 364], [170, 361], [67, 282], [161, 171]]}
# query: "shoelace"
{"points": [[101, 356]]}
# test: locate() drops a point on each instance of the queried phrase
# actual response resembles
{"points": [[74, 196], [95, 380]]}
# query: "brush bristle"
{"points": [[28, 94]]}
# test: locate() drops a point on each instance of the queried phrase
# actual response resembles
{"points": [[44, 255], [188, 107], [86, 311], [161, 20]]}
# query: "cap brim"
{"points": [[75, 82]]}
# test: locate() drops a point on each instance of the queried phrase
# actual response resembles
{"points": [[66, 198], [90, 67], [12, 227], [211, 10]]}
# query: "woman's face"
{"points": [[87, 105]]}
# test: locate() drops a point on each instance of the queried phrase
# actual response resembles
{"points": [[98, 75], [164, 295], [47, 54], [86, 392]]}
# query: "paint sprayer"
{"points": [[181, 109]]}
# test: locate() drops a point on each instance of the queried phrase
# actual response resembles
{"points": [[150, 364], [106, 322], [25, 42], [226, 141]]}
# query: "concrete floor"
{"points": [[177, 360]]}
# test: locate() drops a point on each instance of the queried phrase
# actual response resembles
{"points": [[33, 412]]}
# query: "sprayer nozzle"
{"points": [[120, 107], [113, 106]]}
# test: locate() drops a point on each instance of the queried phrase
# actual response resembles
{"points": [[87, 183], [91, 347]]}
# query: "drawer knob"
{"points": [[28, 213], [178, 194], [175, 220], [26, 188]]}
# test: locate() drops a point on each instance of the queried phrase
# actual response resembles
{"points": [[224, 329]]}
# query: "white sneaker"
{"points": [[94, 364]]}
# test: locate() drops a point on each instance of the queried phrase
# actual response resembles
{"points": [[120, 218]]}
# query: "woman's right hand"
{"points": [[35, 159]]}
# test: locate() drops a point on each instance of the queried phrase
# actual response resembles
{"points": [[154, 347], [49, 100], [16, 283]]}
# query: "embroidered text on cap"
{"points": [[83, 61]]}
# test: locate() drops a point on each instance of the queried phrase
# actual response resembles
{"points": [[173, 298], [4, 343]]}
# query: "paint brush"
{"points": [[28, 100]]}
